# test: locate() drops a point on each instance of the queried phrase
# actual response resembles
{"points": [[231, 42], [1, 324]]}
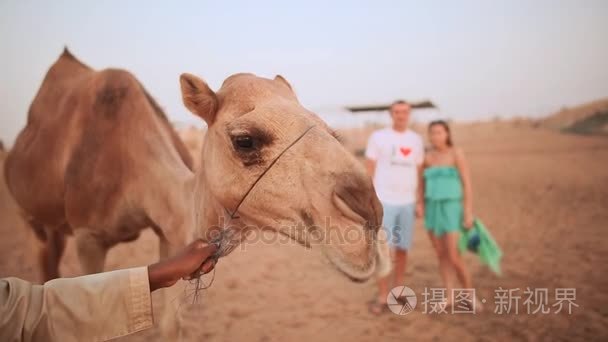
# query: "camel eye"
{"points": [[249, 143], [244, 142]]}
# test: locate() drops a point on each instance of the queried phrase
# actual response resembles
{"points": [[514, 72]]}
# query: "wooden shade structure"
{"points": [[383, 107]]}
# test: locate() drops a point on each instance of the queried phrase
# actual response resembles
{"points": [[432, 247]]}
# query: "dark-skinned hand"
{"points": [[195, 258]]}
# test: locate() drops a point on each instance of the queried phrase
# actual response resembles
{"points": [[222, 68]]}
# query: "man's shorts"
{"points": [[398, 222]]}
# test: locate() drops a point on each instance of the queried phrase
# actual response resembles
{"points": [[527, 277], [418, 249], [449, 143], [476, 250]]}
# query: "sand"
{"points": [[544, 195]]}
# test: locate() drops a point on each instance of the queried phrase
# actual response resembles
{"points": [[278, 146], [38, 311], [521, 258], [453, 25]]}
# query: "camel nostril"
{"points": [[358, 195], [348, 211]]}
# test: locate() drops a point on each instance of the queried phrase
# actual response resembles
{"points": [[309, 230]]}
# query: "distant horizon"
{"points": [[476, 60], [418, 116]]}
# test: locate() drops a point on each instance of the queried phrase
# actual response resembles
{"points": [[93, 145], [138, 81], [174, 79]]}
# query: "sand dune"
{"points": [[543, 194], [568, 116]]}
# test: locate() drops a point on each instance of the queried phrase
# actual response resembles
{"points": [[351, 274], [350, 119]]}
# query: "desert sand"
{"points": [[543, 194]]}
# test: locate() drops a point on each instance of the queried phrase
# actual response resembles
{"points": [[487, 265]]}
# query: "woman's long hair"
{"points": [[445, 126]]}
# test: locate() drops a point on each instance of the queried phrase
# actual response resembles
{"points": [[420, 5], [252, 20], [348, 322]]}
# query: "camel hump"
{"points": [[114, 88], [117, 78], [66, 53], [68, 63]]}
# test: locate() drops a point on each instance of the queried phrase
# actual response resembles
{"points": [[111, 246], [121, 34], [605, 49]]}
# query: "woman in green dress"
{"points": [[448, 205]]}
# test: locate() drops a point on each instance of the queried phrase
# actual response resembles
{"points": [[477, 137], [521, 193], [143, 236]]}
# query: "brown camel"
{"points": [[99, 159]]}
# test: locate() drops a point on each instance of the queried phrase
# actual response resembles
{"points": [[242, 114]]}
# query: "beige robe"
{"points": [[96, 307]]}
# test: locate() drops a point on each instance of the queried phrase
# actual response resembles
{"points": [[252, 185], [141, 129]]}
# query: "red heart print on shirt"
{"points": [[405, 151]]}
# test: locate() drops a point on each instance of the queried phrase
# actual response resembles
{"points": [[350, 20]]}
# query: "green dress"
{"points": [[443, 211]]}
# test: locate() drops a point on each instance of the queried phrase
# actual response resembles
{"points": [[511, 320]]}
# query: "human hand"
{"points": [[419, 210], [468, 219], [194, 258]]}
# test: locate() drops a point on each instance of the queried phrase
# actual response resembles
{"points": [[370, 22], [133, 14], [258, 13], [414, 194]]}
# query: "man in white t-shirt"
{"points": [[394, 161]]}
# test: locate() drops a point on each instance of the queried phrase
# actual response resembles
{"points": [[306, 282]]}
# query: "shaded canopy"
{"points": [[383, 107]]}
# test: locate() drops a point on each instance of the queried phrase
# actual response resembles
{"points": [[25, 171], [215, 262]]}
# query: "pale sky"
{"points": [[475, 59]]}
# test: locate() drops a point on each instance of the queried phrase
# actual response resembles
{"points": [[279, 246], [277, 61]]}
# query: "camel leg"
{"points": [[91, 251], [51, 253]]}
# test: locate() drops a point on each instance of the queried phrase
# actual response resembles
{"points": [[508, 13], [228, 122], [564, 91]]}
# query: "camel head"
{"points": [[271, 164]]}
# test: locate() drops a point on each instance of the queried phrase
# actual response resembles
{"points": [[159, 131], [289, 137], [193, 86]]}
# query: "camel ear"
{"points": [[282, 80], [198, 97]]}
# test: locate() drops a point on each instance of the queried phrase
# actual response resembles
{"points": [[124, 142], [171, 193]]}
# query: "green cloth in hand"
{"points": [[488, 251]]}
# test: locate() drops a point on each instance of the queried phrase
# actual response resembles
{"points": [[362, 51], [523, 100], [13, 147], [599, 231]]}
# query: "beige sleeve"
{"points": [[96, 307]]}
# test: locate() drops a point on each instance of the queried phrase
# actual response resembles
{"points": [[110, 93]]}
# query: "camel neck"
{"points": [[210, 217]]}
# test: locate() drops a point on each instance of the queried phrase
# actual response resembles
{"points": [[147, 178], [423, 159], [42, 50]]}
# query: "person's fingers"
{"points": [[467, 224], [192, 258], [204, 269], [202, 249], [207, 266]]}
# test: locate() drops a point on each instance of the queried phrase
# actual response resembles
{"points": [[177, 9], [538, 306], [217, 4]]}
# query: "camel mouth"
{"points": [[352, 272], [353, 257]]}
